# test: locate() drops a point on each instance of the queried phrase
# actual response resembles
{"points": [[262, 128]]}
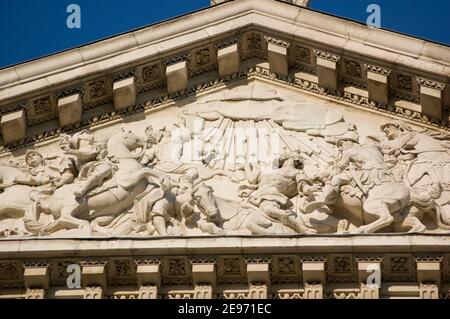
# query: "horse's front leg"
{"points": [[67, 221], [380, 210]]}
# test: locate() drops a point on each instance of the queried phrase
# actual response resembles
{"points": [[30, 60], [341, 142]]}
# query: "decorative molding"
{"points": [[277, 42], [378, 69], [431, 84], [236, 39], [327, 55], [173, 59]]}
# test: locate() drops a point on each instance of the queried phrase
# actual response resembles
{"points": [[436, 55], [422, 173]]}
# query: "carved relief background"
{"points": [[252, 159]]}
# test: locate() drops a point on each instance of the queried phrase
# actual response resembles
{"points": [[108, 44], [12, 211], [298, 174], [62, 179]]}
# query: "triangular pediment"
{"points": [[252, 149]]}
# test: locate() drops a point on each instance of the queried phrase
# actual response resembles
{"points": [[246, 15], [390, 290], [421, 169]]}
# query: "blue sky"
{"points": [[34, 28]]}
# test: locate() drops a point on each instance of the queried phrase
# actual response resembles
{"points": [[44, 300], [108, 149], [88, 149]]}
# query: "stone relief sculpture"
{"points": [[246, 162]]}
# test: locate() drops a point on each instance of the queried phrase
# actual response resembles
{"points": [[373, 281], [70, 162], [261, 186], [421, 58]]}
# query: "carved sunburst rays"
{"points": [[226, 143]]}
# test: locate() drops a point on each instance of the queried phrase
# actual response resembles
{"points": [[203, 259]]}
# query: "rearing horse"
{"points": [[130, 180]]}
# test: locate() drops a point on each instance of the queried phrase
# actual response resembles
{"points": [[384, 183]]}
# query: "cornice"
{"points": [[418, 244]]}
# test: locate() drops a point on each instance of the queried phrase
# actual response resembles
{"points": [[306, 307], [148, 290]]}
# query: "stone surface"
{"points": [[228, 60], [148, 275], [227, 180], [70, 109], [378, 84], [14, 126], [36, 277], [327, 72], [313, 272], [258, 273], [124, 93], [204, 274], [429, 271], [432, 101], [278, 58], [177, 77]]}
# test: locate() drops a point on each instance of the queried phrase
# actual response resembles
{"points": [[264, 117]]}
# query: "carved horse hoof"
{"points": [[417, 229]]}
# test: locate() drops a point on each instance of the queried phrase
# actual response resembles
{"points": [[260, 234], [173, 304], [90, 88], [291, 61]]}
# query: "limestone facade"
{"points": [[256, 149]]}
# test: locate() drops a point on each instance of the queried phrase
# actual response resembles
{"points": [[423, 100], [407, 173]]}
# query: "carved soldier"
{"points": [[426, 158], [53, 170], [164, 204], [361, 167], [275, 190], [91, 160], [406, 145], [163, 154]]}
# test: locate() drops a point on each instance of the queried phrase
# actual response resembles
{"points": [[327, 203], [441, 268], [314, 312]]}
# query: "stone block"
{"points": [[378, 84], [204, 274], [124, 93], [228, 60], [177, 77], [14, 126], [428, 271], [313, 271], [148, 275], [70, 109], [327, 71], [278, 58], [94, 276], [36, 277], [431, 99], [258, 273]]}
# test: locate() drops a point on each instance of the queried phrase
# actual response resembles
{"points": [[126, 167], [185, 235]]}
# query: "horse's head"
{"points": [[205, 201], [124, 143], [131, 140]]}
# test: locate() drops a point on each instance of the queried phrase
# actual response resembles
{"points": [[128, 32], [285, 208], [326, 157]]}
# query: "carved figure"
{"points": [[425, 159], [275, 190], [131, 179], [362, 168]]}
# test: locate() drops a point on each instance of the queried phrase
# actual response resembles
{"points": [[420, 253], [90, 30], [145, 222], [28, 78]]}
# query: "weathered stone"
{"points": [[70, 109], [258, 273], [327, 70], [204, 274], [278, 57], [431, 98], [94, 276], [428, 271], [228, 60], [177, 77], [124, 93], [14, 126], [36, 277], [378, 83], [313, 271], [148, 275]]}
